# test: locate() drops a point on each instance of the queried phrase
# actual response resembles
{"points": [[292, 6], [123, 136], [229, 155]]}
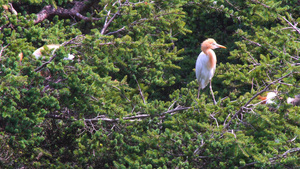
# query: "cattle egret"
{"points": [[268, 99], [38, 53], [206, 65], [294, 101]]}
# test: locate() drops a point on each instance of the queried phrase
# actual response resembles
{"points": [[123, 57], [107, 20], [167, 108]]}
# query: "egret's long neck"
{"points": [[212, 57]]}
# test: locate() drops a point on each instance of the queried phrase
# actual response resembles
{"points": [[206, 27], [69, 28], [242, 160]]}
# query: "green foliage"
{"points": [[129, 97]]}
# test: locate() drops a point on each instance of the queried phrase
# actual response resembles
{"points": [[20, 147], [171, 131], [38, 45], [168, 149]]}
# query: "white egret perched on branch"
{"points": [[268, 99], [206, 64]]}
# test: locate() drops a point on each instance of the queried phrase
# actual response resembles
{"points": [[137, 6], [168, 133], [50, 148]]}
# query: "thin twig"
{"points": [[122, 93], [215, 120], [226, 119], [117, 31], [141, 93], [2, 48], [107, 23], [172, 104], [297, 29]]}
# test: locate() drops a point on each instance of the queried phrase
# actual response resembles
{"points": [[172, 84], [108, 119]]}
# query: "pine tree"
{"points": [[128, 99]]}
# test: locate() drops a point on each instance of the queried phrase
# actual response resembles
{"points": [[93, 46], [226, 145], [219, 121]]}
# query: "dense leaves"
{"points": [[128, 99]]}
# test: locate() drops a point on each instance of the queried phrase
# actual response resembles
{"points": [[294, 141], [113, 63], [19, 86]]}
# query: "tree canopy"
{"points": [[128, 98]]}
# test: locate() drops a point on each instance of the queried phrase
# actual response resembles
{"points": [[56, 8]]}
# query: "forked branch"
{"points": [[78, 7]]}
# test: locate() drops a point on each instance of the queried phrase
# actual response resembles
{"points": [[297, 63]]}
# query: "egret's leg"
{"points": [[212, 93], [198, 91]]}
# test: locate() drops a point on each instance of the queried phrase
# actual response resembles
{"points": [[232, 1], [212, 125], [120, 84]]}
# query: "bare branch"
{"points": [[12, 9], [2, 49], [141, 93], [108, 23], [234, 6], [257, 2], [96, 119], [257, 44], [122, 93], [212, 116], [108, 43], [274, 158], [178, 108], [122, 29], [294, 26], [172, 104], [138, 117], [78, 7], [131, 118]]}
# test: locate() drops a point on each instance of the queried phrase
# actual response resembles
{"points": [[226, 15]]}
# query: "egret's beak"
{"points": [[221, 46]]}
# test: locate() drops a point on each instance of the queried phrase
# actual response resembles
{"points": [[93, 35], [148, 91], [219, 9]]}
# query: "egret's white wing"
{"points": [[203, 71]]}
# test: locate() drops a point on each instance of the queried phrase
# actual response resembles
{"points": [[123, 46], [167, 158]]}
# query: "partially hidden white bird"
{"points": [[38, 53], [206, 64], [294, 101], [268, 99]]}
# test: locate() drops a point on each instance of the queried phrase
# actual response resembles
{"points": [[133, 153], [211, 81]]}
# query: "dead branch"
{"points": [[117, 31], [293, 26], [107, 22], [12, 9], [178, 108], [78, 7], [137, 117], [141, 92], [274, 158], [257, 2], [2, 49], [131, 118], [122, 93]]}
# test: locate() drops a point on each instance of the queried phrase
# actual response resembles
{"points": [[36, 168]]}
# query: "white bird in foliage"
{"points": [[294, 101], [38, 53], [268, 99], [206, 64]]}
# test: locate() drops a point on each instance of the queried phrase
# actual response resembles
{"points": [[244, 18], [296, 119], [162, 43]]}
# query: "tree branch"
{"points": [[2, 49], [294, 26], [107, 23], [257, 2], [141, 93], [132, 118], [78, 7], [117, 31], [274, 158]]}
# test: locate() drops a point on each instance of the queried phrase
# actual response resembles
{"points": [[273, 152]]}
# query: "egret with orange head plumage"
{"points": [[268, 99], [206, 64]]}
